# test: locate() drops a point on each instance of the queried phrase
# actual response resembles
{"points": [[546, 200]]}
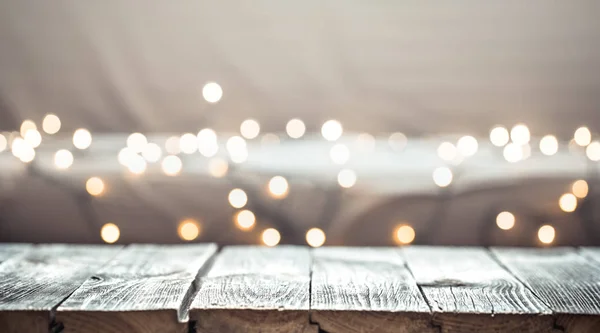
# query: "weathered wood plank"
{"points": [[460, 281], [10, 250], [255, 289], [145, 288], [592, 253], [365, 290], [565, 281], [34, 284]]}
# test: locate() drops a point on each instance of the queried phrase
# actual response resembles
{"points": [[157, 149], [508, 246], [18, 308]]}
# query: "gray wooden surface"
{"points": [[10, 250], [592, 253], [158, 280]]}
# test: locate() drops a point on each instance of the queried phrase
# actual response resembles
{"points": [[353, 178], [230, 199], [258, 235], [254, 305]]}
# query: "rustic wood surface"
{"points": [[145, 288], [350, 287], [10, 250], [460, 281], [591, 253], [33, 285], [267, 290]]}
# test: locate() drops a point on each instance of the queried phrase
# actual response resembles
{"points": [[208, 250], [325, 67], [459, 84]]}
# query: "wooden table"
{"points": [[291, 289]]}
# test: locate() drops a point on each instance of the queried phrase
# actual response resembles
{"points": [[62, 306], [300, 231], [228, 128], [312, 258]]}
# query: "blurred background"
{"points": [[300, 122]]}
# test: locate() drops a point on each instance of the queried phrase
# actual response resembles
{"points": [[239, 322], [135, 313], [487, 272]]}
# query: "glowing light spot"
{"points": [[125, 155], [171, 165], [63, 159], [346, 178], [271, 237], [295, 128], [137, 164], [27, 125], [208, 145], [212, 92], [33, 137], [583, 136], [546, 234], [237, 198], [505, 220], [580, 188], [51, 124], [278, 187], [513, 153], [526, 151], [26, 153], [82, 138], [110, 233], [549, 145], [217, 167], [519, 134], [405, 234], [499, 136], [315, 237], [467, 146], [568, 202], [593, 151], [137, 142], [339, 154], [236, 146], [446, 151], [152, 152], [365, 142], [250, 128], [95, 186], [245, 219], [188, 143], [442, 176], [397, 141], [332, 130], [172, 145], [188, 229]]}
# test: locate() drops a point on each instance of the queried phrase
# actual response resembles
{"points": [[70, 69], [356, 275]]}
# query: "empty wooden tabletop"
{"points": [[292, 289]]}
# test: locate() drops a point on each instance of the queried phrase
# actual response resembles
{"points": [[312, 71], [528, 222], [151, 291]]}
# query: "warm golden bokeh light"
{"points": [[339, 154], [33, 137], [245, 219], [95, 186], [397, 141], [505, 220], [295, 128], [467, 146], [152, 152], [208, 144], [442, 176], [237, 198], [519, 134], [405, 234], [446, 151], [136, 142], [217, 167], [250, 128], [271, 237], [582, 136], [51, 124], [137, 164], [172, 145], [546, 234], [278, 187], [27, 125], [63, 159], [549, 145], [499, 136], [82, 138], [593, 151], [315, 237], [188, 143], [513, 153], [188, 229], [568, 202], [346, 178], [212, 92], [332, 130], [580, 188], [171, 165], [110, 233]]}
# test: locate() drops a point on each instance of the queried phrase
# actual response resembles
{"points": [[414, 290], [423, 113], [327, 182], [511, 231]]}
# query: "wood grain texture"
{"points": [[145, 288], [10, 250], [365, 290], [262, 285], [592, 253], [34, 284], [565, 281]]}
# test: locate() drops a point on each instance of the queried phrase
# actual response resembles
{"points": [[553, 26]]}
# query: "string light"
{"points": [[27, 125], [212, 92], [505, 220], [546, 234], [568, 202], [137, 164], [278, 187], [137, 142], [33, 137], [271, 237], [250, 128], [346, 178], [365, 142], [593, 151], [467, 146], [446, 151], [95, 186], [339, 154], [217, 167], [295, 128], [499, 136], [188, 143], [188, 229], [82, 138], [513, 153], [442, 176], [332, 130], [245, 219], [237, 198], [580, 188], [519, 134], [549, 145], [63, 159], [397, 141], [3, 143], [172, 145], [152, 152], [171, 165], [582, 136], [110, 233], [51, 124], [207, 142], [315, 237], [405, 234]]}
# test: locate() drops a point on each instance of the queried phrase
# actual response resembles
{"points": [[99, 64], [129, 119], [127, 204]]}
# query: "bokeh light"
{"points": [[442, 176], [172, 145], [63, 159], [95, 186], [593, 151], [212, 92], [513, 153], [27, 125], [110, 233], [82, 138], [499, 136], [446, 151], [546, 234], [188, 229], [467, 146], [33, 137], [339, 154], [137, 164], [315, 237], [51, 124], [397, 141], [505, 220], [568, 202], [250, 128], [217, 167], [171, 165], [346, 178], [295, 128], [237, 198], [271, 237], [278, 187], [549, 145], [580, 188], [236, 146], [208, 144], [152, 152], [188, 143], [405, 234], [245, 219], [365, 142], [332, 130], [582, 136], [137, 142], [519, 134]]}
